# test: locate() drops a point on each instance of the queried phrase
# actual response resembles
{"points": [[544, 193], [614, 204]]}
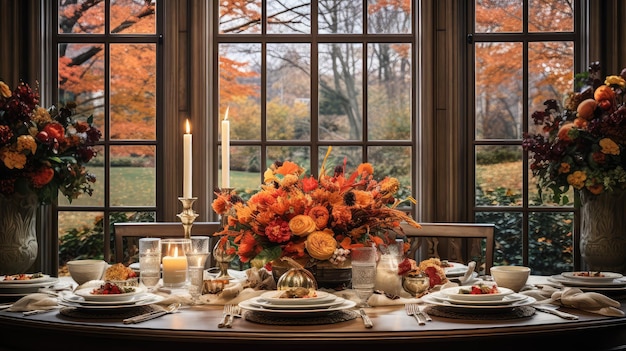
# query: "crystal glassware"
{"points": [[363, 272], [196, 260]]}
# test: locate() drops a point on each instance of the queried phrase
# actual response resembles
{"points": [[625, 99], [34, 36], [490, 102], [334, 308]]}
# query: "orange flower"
{"points": [[321, 244], [320, 215], [302, 225], [365, 169], [42, 176], [288, 167]]}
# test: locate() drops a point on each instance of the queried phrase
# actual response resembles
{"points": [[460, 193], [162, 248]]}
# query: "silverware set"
{"points": [[230, 312], [151, 315], [413, 309]]}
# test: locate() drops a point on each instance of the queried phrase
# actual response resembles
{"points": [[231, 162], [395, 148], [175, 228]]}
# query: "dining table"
{"points": [[196, 325]]}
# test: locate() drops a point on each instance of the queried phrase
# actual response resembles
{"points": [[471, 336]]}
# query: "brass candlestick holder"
{"points": [[188, 215]]}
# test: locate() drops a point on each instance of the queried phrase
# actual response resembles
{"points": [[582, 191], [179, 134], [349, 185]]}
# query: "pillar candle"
{"points": [[187, 164], [174, 270], [226, 151]]}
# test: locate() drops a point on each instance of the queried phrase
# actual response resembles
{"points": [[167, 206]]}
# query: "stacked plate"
{"points": [[591, 281], [272, 302], [30, 284], [455, 298], [85, 299]]}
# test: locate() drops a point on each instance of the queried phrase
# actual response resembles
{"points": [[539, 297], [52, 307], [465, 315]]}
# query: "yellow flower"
{"points": [[321, 244], [12, 159], [5, 91], [302, 225], [26, 142], [609, 147], [41, 116], [615, 80], [269, 176], [564, 167], [577, 179]]}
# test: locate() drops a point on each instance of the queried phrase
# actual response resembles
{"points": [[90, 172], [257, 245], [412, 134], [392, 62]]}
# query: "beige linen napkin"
{"points": [[575, 298], [35, 301]]}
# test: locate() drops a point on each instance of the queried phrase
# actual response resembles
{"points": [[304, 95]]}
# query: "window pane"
{"points": [[551, 242], [133, 91], [288, 92], [389, 17], [81, 79], [287, 17], [132, 16], [498, 16], [81, 236], [393, 161], [133, 175], [389, 92], [351, 155], [550, 74], [508, 236], [81, 17], [240, 89], [498, 175], [245, 169], [498, 90], [96, 168], [238, 17], [299, 155], [340, 16], [559, 12], [340, 92]]}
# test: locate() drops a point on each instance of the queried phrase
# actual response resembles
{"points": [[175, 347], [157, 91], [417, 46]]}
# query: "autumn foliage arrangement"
{"points": [[582, 145], [312, 220], [43, 150]]}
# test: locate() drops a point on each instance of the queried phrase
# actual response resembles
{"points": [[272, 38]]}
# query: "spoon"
{"points": [[151, 315]]}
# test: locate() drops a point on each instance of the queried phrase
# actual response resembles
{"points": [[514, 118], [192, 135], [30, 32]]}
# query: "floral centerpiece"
{"points": [[312, 220], [582, 145], [43, 150]]}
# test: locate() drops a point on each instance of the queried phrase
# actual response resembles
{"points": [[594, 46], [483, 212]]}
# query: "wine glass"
{"points": [[224, 253]]}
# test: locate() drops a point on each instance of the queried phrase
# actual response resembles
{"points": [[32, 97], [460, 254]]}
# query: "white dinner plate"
{"points": [[43, 278], [435, 297], [506, 300], [606, 277], [558, 278], [27, 288], [274, 297], [89, 296], [133, 300], [152, 299], [347, 304], [261, 302], [455, 269], [454, 293]]}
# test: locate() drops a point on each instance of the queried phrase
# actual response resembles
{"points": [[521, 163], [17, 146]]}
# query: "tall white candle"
{"points": [[226, 151], [187, 164]]}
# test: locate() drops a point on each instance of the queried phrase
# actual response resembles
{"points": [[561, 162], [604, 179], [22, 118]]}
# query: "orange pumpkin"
{"points": [[585, 109], [563, 132], [604, 95]]}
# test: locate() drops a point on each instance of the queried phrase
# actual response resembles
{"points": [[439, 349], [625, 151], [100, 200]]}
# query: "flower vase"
{"points": [[331, 276], [603, 231], [18, 234]]}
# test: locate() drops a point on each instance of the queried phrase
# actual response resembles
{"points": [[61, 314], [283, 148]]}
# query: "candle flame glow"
{"points": [[188, 127], [226, 114]]}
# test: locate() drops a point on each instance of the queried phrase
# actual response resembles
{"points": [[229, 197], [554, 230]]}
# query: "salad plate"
{"points": [[274, 297], [261, 302], [81, 300], [592, 277], [285, 312], [559, 278], [456, 293], [506, 300], [435, 299], [5, 279], [88, 295], [152, 298]]}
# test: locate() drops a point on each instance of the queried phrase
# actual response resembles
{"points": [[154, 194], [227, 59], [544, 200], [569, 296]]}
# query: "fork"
{"points": [[234, 312], [413, 310], [227, 311]]}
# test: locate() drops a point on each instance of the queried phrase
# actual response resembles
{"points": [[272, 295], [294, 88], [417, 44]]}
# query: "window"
{"points": [[107, 63], [523, 54], [301, 77]]}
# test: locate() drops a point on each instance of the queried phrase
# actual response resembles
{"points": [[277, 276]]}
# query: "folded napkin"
{"points": [[575, 298], [35, 301]]}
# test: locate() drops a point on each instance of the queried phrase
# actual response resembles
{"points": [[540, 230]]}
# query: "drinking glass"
{"points": [[196, 260], [174, 261], [150, 261], [363, 272]]}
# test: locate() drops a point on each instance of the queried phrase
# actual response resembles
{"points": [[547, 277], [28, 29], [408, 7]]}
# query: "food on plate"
{"points": [[298, 293], [22, 276], [588, 274], [431, 267], [480, 289], [119, 272], [110, 289]]}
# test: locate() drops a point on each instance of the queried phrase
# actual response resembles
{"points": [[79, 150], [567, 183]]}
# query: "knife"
{"points": [[366, 319], [555, 312]]}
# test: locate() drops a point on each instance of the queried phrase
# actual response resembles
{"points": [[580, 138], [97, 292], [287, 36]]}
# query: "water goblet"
{"points": [[363, 272], [196, 260], [224, 253], [150, 261]]}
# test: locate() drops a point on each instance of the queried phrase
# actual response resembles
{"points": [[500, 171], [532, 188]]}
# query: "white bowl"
{"points": [[83, 271], [512, 277]]}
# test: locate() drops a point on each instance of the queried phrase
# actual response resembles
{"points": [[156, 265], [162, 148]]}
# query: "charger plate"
{"points": [[274, 319]]}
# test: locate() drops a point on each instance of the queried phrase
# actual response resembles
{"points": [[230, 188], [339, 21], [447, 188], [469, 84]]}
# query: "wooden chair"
{"points": [[456, 242], [130, 232]]}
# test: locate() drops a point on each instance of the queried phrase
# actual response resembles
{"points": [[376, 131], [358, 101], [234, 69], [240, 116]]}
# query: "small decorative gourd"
{"points": [[296, 277]]}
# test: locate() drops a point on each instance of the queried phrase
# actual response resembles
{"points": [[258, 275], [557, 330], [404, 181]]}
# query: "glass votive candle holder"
{"points": [[174, 261]]}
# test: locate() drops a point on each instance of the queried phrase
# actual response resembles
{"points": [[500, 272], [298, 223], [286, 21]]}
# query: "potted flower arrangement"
{"points": [[42, 152], [581, 146], [309, 220]]}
